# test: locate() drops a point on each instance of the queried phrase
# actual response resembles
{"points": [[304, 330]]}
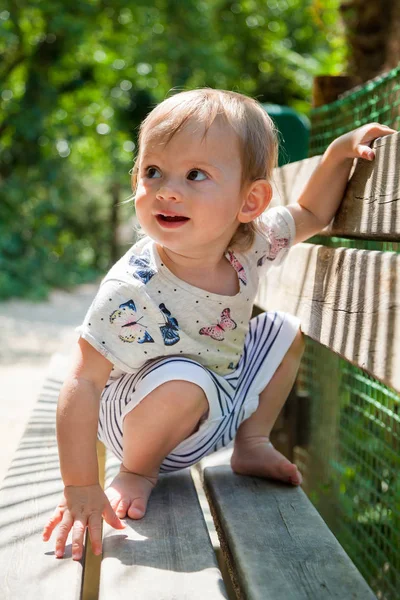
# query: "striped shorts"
{"points": [[232, 398]]}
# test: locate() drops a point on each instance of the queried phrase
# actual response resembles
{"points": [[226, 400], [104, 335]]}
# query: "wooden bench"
{"points": [[274, 543]]}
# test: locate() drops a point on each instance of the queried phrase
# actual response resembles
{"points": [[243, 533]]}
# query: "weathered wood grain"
{"points": [[276, 542], [166, 555], [371, 206], [28, 497], [347, 299], [289, 180]]}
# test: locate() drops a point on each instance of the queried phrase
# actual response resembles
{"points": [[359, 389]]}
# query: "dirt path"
{"points": [[30, 334]]}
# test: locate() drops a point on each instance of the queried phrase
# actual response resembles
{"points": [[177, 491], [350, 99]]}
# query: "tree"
{"points": [[77, 80], [372, 30]]}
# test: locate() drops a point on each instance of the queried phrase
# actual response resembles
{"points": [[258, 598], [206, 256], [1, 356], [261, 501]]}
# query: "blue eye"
{"points": [[152, 173], [196, 175]]}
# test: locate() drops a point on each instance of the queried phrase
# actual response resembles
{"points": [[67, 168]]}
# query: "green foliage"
{"points": [[354, 464], [77, 79]]}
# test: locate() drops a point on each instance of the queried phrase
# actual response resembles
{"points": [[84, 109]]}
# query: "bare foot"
{"points": [[257, 456], [129, 493]]}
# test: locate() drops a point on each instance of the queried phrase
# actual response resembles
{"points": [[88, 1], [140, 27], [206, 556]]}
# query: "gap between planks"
{"points": [[91, 575], [209, 520]]}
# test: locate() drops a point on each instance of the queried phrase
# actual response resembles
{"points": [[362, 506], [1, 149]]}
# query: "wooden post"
{"points": [[285, 433], [323, 448], [327, 88]]}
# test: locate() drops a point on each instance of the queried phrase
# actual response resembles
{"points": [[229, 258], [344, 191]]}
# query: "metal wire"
{"points": [[377, 100], [353, 479]]}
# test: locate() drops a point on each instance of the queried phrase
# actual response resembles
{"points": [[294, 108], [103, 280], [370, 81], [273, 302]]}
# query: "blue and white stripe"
{"points": [[232, 397]]}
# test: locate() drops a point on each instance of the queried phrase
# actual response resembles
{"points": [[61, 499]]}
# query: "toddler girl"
{"points": [[169, 367]]}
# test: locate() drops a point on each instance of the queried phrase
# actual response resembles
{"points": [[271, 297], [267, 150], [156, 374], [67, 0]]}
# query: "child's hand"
{"points": [[355, 144], [81, 507]]}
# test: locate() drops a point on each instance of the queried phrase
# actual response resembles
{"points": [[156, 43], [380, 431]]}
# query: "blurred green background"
{"points": [[76, 81]]}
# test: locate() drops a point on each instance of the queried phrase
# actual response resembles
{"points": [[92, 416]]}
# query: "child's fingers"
{"points": [[111, 518], [377, 129], [387, 128], [52, 523], [371, 132], [94, 526], [365, 152], [78, 532], [367, 133], [62, 534]]}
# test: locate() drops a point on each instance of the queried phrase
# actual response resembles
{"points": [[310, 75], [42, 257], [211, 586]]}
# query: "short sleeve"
{"points": [[275, 235], [121, 326]]}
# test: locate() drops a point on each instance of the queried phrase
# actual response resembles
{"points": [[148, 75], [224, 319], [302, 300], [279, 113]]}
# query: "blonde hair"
{"points": [[255, 130]]}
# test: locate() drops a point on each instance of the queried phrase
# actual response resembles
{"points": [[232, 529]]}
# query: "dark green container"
{"points": [[294, 129]]}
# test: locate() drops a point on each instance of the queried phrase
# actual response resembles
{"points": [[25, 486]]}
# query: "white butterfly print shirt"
{"points": [[143, 311]]}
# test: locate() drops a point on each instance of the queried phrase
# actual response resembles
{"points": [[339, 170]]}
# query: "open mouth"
{"points": [[174, 219]]}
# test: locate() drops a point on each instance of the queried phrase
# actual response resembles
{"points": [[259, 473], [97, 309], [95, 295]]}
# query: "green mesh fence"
{"points": [[377, 100], [351, 462], [335, 242]]}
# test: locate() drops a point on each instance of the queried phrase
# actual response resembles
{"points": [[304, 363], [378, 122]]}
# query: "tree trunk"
{"points": [[373, 36]]}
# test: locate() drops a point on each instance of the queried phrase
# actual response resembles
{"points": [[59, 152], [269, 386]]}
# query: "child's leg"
{"points": [[163, 419], [253, 453]]}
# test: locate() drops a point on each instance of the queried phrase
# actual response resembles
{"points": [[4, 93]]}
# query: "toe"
{"points": [[137, 509], [297, 478], [122, 508], [114, 497], [292, 474], [289, 472], [114, 503]]}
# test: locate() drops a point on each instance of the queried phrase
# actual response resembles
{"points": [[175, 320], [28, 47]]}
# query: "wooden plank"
{"points": [[371, 205], [168, 554], [324, 428], [289, 180], [347, 299], [91, 579], [28, 498], [277, 545]]}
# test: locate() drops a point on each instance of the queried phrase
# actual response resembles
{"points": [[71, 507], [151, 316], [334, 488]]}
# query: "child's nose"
{"points": [[169, 192]]}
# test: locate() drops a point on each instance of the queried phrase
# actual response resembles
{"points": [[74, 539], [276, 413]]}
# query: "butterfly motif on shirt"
{"points": [[142, 268], [170, 328], [276, 245], [216, 332], [238, 267], [131, 330]]}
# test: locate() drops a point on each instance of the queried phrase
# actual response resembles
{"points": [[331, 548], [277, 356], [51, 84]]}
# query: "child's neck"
{"points": [[212, 273]]}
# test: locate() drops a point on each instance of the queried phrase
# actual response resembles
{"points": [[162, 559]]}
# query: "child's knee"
{"points": [[188, 398], [295, 351], [165, 417], [298, 345], [189, 406], [180, 404]]}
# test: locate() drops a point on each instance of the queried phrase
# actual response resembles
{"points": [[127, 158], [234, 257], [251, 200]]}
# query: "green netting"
{"points": [[377, 100], [352, 463], [335, 242]]}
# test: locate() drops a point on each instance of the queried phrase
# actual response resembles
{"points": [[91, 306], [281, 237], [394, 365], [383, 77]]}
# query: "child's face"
{"points": [[189, 190]]}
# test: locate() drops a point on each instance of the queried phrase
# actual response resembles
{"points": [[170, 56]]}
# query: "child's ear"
{"points": [[257, 198]]}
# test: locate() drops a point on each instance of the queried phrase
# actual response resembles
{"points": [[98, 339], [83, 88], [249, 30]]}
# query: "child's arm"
{"points": [[323, 193], [84, 501]]}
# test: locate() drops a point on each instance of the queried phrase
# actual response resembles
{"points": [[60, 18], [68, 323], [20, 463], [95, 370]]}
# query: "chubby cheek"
{"points": [[220, 214], [142, 205]]}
